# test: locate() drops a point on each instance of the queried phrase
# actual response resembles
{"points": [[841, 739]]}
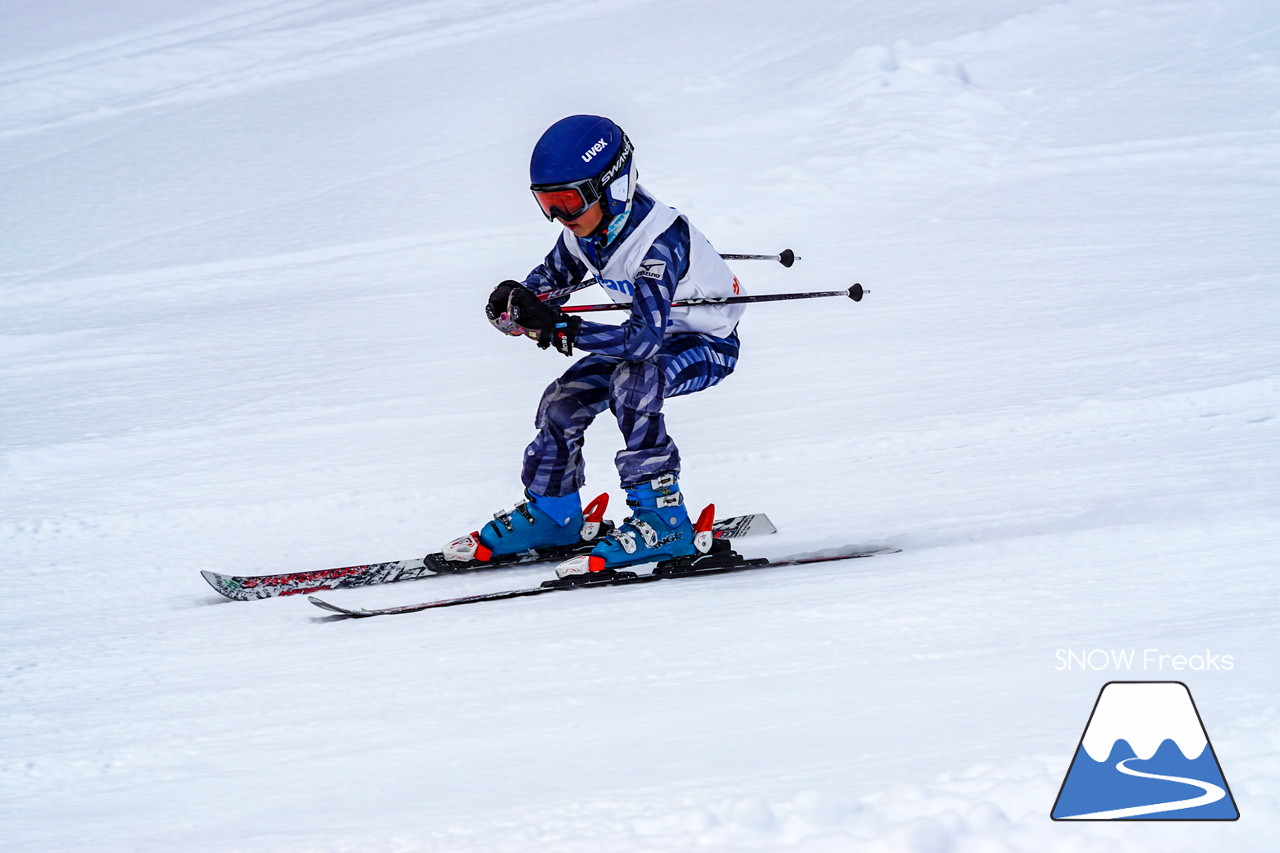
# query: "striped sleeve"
{"points": [[559, 271]]}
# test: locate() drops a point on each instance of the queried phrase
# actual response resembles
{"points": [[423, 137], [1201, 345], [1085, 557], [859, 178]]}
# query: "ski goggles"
{"points": [[566, 201]]}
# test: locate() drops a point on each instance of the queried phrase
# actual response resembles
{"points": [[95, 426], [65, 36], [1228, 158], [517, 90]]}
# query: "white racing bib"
{"points": [[708, 275]]}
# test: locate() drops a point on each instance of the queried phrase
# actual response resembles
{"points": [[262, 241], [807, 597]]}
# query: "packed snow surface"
{"points": [[244, 250]]}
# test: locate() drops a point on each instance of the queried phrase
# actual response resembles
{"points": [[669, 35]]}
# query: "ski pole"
{"points": [[855, 293], [786, 257]]}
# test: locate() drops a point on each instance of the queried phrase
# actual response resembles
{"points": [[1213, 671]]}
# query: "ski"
{"points": [[249, 588], [717, 562]]}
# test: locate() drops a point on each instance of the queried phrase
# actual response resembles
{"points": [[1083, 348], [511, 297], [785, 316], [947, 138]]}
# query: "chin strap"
{"points": [[615, 226], [608, 233]]}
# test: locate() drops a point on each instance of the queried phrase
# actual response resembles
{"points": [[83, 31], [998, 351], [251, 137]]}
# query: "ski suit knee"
{"points": [[634, 392]]}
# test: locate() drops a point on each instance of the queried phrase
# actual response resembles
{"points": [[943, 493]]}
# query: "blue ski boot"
{"points": [[658, 529], [538, 524]]}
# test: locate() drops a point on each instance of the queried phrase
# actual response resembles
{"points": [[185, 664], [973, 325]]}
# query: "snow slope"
{"points": [[243, 254]]}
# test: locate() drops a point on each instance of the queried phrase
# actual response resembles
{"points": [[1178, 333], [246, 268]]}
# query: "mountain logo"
{"points": [[1144, 755]]}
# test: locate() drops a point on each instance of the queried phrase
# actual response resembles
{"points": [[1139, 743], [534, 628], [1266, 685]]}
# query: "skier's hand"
{"points": [[498, 310], [546, 324]]}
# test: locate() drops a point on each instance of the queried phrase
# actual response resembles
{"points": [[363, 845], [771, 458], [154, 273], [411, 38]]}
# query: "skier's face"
{"points": [[586, 222]]}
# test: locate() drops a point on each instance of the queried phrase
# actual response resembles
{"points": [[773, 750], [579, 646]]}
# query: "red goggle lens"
{"points": [[562, 203]]}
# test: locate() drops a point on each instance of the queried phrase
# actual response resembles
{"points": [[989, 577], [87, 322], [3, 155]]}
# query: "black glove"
{"points": [[553, 326], [497, 311]]}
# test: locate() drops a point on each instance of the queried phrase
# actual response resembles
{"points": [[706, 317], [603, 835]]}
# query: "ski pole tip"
{"points": [[787, 257], [856, 292]]}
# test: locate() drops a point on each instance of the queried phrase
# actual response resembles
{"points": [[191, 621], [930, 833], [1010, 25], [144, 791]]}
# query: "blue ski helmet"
{"points": [[581, 160]]}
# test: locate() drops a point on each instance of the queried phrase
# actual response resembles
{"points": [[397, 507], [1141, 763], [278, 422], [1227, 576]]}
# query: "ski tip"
{"points": [[333, 608], [867, 551], [223, 585]]}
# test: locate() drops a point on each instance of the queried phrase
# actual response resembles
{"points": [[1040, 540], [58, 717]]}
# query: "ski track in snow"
{"points": [[249, 45], [240, 280]]}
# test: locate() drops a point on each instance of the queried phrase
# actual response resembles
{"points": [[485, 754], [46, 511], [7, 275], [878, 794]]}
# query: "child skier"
{"points": [[583, 174]]}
